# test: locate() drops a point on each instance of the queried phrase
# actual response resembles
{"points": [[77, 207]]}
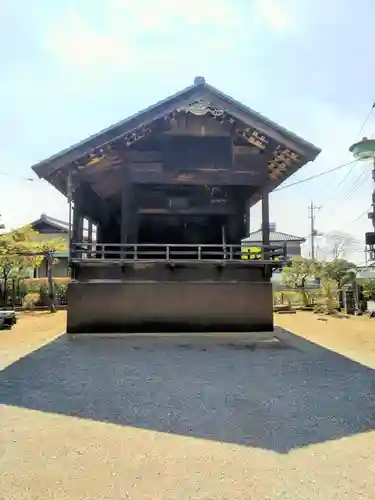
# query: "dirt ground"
{"points": [[31, 332], [113, 419], [353, 337]]}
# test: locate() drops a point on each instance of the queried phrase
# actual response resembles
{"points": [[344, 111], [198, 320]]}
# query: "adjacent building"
{"points": [[50, 228], [293, 243]]}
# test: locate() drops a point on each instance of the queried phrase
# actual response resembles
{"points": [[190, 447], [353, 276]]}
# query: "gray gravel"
{"points": [[278, 400]]}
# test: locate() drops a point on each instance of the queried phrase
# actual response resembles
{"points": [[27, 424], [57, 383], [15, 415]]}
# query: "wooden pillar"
{"points": [[236, 229], [247, 217], [238, 221], [98, 232], [129, 215], [99, 240], [135, 221], [89, 231], [125, 201], [89, 237], [77, 233], [265, 222]]}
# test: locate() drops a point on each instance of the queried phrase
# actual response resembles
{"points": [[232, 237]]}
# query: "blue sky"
{"points": [[72, 68]]}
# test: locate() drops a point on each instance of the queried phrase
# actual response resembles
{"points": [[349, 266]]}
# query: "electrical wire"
{"points": [[314, 176], [357, 184], [333, 194], [360, 180], [28, 179], [360, 216], [365, 121], [355, 140]]}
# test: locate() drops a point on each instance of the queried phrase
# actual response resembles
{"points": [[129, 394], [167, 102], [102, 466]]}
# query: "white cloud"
{"points": [[78, 43], [131, 35], [166, 13], [276, 14]]}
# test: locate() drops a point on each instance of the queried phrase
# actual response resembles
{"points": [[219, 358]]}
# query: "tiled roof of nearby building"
{"points": [[58, 224], [256, 236]]}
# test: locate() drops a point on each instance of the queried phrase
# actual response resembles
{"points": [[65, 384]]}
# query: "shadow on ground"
{"points": [[277, 399]]}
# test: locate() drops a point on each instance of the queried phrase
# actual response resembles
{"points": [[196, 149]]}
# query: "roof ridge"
{"points": [[280, 234], [260, 116], [113, 127], [113, 132], [51, 220]]}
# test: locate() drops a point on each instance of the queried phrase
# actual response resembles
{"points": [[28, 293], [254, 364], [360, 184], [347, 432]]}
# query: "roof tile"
{"points": [[277, 236]]}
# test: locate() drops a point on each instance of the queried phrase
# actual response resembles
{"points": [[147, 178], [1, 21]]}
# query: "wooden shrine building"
{"points": [[167, 194]]}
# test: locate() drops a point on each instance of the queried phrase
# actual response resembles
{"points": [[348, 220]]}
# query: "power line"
{"points": [[354, 221], [343, 179], [360, 216], [28, 179], [365, 121], [355, 140], [364, 177], [314, 176], [348, 173], [358, 183]]}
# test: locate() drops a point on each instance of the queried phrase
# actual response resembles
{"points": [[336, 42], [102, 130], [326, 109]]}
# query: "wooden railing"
{"points": [[273, 254]]}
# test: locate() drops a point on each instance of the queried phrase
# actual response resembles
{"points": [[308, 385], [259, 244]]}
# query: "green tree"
{"points": [[329, 290], [369, 289], [341, 271], [297, 273], [12, 260], [22, 251]]}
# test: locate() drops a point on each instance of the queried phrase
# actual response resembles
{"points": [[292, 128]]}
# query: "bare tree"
{"points": [[337, 244]]}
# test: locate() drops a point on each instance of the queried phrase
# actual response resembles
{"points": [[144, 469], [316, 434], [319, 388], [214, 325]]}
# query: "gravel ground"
{"points": [[182, 419], [354, 336]]}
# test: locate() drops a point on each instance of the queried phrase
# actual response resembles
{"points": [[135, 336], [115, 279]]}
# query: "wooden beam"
{"points": [[204, 210], [214, 177], [91, 204], [144, 156]]}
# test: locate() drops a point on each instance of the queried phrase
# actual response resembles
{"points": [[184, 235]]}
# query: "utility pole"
{"points": [[313, 231]]}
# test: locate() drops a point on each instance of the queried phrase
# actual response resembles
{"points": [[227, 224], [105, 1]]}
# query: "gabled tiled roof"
{"points": [[158, 110], [256, 236], [58, 224]]}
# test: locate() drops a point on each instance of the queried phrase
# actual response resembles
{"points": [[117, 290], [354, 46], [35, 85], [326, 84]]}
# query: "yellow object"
{"points": [[252, 253]]}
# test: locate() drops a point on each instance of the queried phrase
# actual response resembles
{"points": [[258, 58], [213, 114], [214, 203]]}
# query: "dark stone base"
{"points": [[109, 306]]}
